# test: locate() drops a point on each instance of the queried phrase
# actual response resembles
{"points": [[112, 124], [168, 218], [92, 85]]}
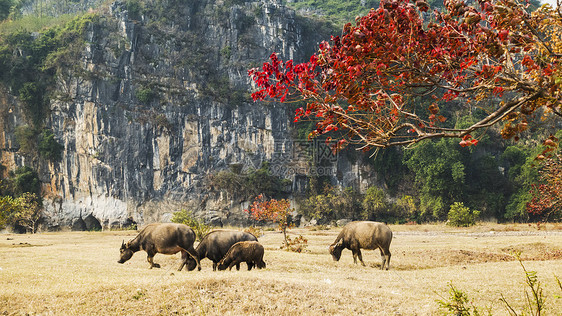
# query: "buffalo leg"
{"points": [[238, 267], [360, 256], [234, 263], [385, 256], [354, 256], [250, 265], [150, 260], [183, 259], [214, 266]]}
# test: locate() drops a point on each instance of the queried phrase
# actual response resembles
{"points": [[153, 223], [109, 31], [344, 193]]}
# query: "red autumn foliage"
{"points": [[358, 84], [276, 211], [547, 194]]}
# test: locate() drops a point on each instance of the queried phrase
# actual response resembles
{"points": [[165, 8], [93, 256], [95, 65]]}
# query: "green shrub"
{"points": [[5, 6], [135, 9], [25, 137], [145, 95], [32, 95], [226, 52], [458, 303], [243, 185], [49, 148], [460, 215], [187, 218], [375, 203]]}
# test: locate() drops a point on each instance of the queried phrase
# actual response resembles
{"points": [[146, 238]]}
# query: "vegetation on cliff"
{"points": [[400, 76], [414, 185]]}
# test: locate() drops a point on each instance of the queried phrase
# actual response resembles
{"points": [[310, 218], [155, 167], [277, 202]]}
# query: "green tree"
{"points": [[333, 204], [25, 179], [319, 207], [49, 148], [5, 7], [409, 207], [460, 215], [25, 136], [439, 168], [487, 189], [521, 175], [186, 217], [8, 207], [375, 204], [24, 210], [32, 94], [249, 184], [28, 211]]}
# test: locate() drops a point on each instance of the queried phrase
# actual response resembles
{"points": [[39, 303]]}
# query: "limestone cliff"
{"points": [[161, 102]]}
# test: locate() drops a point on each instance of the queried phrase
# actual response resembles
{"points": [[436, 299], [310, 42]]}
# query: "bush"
{"points": [[26, 138], [334, 204], [298, 244], [458, 303], [460, 215], [145, 95], [254, 230], [375, 202], [187, 218], [24, 210], [244, 185], [49, 148]]}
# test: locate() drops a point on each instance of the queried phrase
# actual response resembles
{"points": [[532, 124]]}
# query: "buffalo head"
{"points": [[222, 265], [335, 251], [191, 264], [126, 252]]}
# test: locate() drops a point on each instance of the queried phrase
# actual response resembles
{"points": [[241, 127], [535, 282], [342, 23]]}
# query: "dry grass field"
{"points": [[73, 273]]}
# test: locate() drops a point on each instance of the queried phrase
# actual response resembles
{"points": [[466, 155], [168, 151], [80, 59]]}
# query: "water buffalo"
{"points": [[363, 235], [250, 252], [166, 238], [216, 244]]}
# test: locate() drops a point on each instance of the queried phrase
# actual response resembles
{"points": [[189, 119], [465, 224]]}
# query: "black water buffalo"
{"points": [[363, 235], [166, 238], [250, 252], [216, 244]]}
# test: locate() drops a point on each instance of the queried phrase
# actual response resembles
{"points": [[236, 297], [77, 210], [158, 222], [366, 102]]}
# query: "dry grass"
{"points": [[78, 274]]}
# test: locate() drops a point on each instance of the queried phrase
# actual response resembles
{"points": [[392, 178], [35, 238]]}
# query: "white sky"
{"points": [[552, 2]]}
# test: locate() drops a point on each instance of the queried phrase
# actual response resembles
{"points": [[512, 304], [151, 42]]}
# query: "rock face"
{"points": [[160, 103]]}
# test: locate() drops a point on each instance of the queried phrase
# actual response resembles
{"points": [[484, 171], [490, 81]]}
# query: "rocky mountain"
{"points": [[157, 100]]}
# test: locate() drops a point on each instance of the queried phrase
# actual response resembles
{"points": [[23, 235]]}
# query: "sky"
{"points": [[552, 2]]}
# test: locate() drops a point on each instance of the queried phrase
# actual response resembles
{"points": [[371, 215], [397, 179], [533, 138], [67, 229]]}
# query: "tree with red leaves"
{"points": [[547, 194], [492, 54], [276, 211]]}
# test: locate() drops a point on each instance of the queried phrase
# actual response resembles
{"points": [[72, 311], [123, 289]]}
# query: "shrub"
{"points": [[25, 179], [334, 204], [298, 244], [187, 218], [460, 215], [49, 148], [7, 207], [243, 185], [458, 303], [254, 230], [25, 136], [24, 210], [375, 203], [145, 95], [276, 211]]}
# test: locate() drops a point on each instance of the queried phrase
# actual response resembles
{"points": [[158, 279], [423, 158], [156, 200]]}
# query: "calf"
{"points": [[250, 252]]}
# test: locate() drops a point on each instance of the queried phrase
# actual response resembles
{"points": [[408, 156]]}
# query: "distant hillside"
{"points": [[338, 12]]}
